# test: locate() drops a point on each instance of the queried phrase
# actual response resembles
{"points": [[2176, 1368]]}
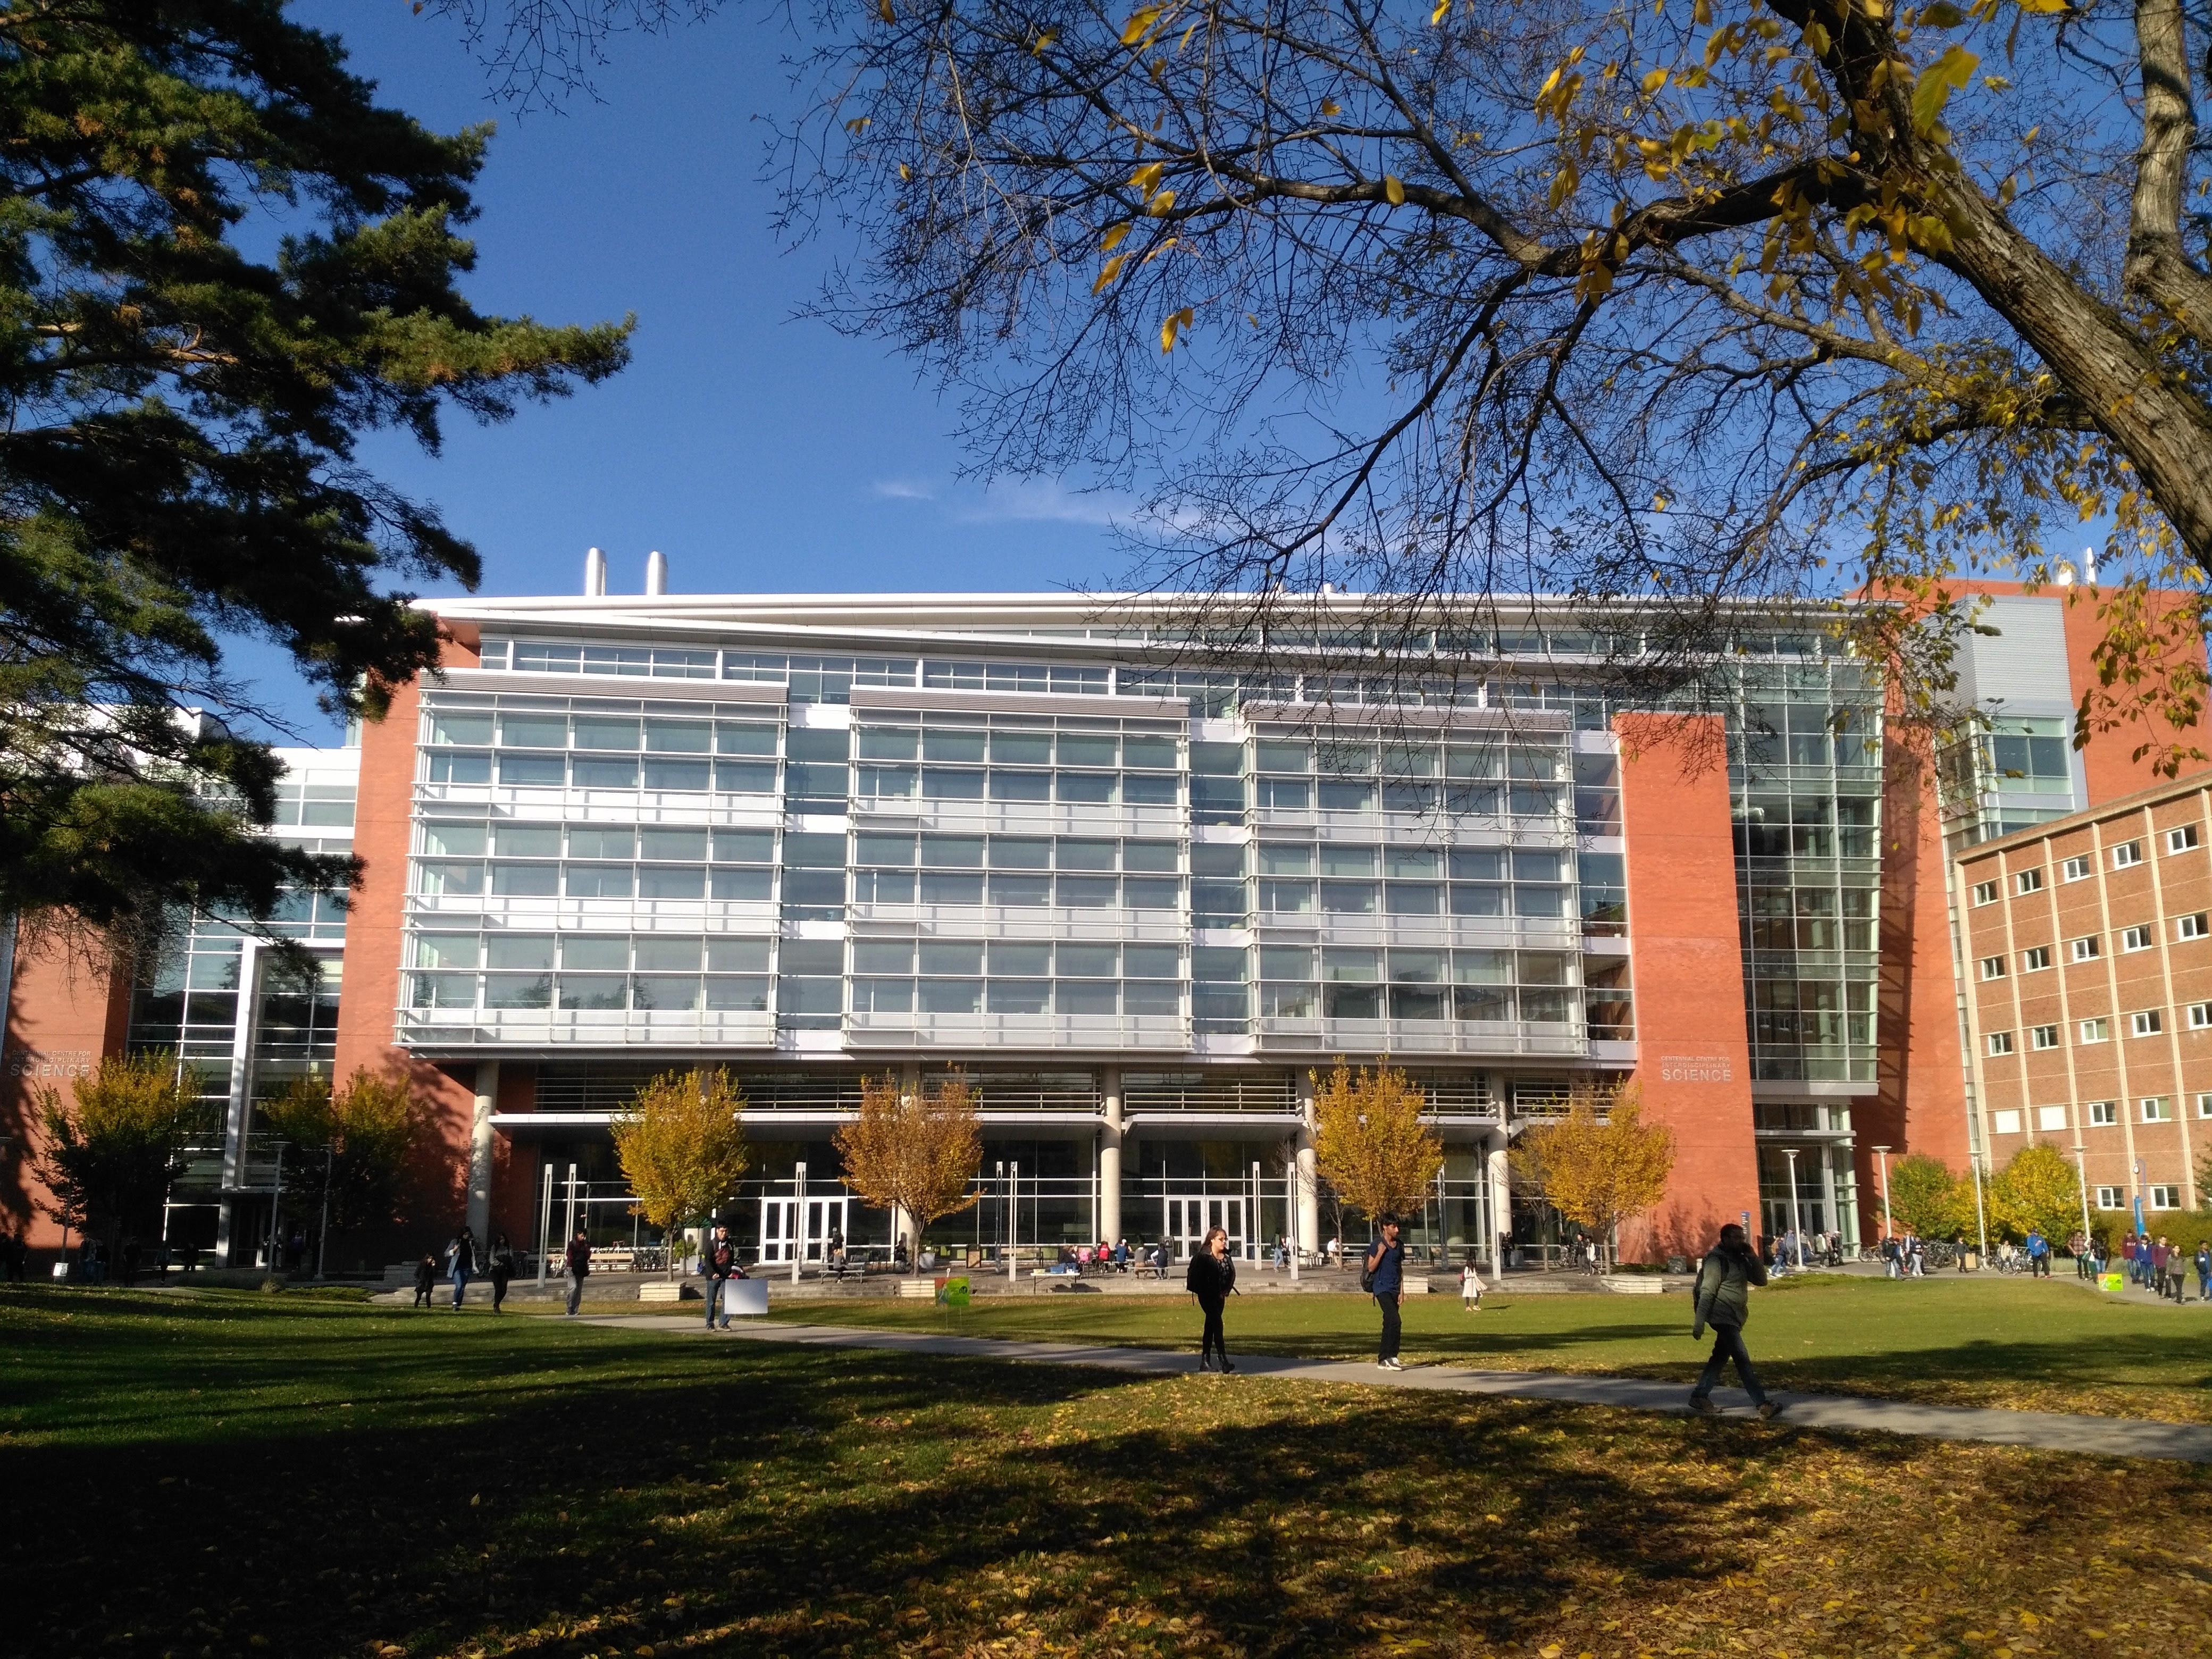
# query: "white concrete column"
{"points": [[901, 1220], [1110, 1156], [1307, 1234], [480, 1149], [1501, 1205]]}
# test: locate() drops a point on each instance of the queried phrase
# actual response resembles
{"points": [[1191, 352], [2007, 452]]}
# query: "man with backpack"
{"points": [[718, 1262], [1383, 1278], [1724, 1301]]}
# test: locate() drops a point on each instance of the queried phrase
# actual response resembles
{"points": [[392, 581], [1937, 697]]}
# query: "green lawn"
{"points": [[2052, 1345], [229, 1474]]}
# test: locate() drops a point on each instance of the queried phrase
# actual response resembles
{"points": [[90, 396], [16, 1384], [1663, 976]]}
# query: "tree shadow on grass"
{"points": [[588, 1491]]}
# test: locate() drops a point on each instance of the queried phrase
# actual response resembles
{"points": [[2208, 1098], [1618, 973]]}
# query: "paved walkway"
{"points": [[2108, 1436]]}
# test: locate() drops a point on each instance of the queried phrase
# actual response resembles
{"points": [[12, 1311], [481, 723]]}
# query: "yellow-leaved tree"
{"points": [[1370, 1139], [2039, 1188], [1599, 1165], [352, 1143], [112, 1149], [682, 1148], [916, 1153]]}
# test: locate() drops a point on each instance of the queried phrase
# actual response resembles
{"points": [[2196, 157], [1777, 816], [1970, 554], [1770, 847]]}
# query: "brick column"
{"points": [[1693, 1065]]}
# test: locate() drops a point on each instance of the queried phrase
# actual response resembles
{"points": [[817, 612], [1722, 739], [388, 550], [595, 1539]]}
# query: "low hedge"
{"points": [[2187, 1228]]}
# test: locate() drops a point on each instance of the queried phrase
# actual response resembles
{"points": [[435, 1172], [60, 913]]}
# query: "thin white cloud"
{"points": [[1042, 500], [902, 489]]}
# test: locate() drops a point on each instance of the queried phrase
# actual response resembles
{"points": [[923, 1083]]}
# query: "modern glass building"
{"points": [[1137, 893]]}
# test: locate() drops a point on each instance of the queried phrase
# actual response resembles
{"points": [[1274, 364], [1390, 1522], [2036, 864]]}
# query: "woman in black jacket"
{"points": [[1212, 1277]]}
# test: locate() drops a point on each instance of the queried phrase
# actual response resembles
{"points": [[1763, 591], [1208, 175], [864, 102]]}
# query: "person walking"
{"points": [[2159, 1253], [576, 1264], [460, 1263], [1213, 1279], [1723, 1302], [426, 1275], [2038, 1254], [1384, 1279], [502, 1264], [2203, 1266], [717, 1260]]}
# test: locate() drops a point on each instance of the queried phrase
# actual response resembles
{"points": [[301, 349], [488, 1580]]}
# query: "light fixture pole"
{"points": [[1291, 1219], [1882, 1163], [1796, 1232], [798, 1219], [1252, 1227], [1014, 1215], [2082, 1167]]}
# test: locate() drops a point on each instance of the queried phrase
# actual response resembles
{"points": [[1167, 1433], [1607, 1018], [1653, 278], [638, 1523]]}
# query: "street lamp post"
{"points": [[1795, 1231], [1014, 1215], [1291, 1220], [1882, 1163], [1252, 1228], [2081, 1166], [798, 1219]]}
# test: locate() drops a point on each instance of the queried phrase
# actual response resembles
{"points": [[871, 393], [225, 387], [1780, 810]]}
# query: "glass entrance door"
{"points": [[1190, 1219], [780, 1234]]}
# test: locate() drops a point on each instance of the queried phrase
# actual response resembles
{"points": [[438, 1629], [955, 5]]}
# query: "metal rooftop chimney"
{"points": [[595, 573], [656, 572]]}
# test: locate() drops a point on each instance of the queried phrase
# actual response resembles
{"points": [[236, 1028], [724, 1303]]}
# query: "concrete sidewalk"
{"points": [[2103, 1436]]}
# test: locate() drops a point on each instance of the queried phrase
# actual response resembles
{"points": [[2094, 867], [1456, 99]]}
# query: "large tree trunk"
{"points": [[2102, 363]]}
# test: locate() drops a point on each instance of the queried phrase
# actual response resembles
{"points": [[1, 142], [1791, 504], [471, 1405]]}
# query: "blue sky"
{"points": [[758, 451]]}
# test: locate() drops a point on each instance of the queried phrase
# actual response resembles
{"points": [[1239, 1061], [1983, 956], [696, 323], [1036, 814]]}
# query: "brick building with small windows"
{"points": [[2086, 945]]}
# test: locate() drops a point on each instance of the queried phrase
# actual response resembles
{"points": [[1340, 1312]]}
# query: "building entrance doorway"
{"points": [[780, 1234], [1190, 1219]]}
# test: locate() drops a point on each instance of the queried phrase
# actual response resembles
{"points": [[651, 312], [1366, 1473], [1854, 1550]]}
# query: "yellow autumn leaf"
{"points": [[1044, 39], [905, 173], [1658, 503], [1109, 271], [1394, 189], [1438, 16], [1147, 178], [884, 10], [1654, 80], [1177, 321], [1112, 239], [1330, 106], [1933, 85], [1160, 203], [858, 125], [1133, 30], [2046, 6]]}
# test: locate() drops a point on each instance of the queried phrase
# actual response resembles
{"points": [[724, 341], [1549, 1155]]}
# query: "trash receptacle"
{"points": [[1970, 1261]]}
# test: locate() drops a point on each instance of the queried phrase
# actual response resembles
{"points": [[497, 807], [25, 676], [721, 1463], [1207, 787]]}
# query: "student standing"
{"points": [[1470, 1285], [1212, 1278], [426, 1275], [460, 1263], [1384, 1279], [503, 1269], [1724, 1301], [576, 1263], [718, 1262]]}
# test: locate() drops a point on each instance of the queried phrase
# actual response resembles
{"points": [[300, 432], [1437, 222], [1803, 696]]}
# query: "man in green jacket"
{"points": [[1724, 1301]]}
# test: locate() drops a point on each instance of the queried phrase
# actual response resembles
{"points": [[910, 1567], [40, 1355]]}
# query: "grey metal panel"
{"points": [[2026, 662]]}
